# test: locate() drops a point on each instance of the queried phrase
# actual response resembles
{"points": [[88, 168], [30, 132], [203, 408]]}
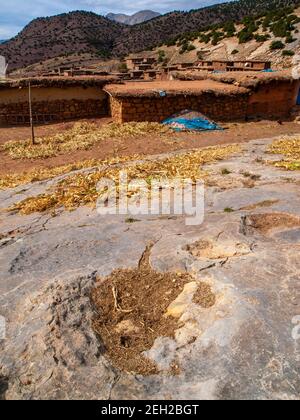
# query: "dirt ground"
{"points": [[233, 133], [132, 306]]}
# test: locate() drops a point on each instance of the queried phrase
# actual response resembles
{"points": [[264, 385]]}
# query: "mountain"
{"points": [[2, 41], [88, 33], [119, 17], [164, 28], [61, 35], [135, 19]]}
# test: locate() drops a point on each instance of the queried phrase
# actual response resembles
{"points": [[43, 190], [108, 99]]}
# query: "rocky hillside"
{"points": [[169, 26], [83, 32], [62, 35], [135, 19], [274, 37]]}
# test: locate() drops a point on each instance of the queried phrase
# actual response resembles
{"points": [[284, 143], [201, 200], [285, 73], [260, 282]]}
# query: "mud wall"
{"points": [[218, 107], [273, 100], [52, 104]]}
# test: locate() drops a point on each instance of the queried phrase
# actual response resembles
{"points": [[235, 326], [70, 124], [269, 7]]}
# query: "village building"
{"points": [[143, 67], [133, 63], [223, 65], [271, 95], [220, 96], [53, 99], [150, 74], [184, 66], [136, 74]]}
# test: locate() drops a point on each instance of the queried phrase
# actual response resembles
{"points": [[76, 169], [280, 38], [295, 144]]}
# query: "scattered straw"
{"points": [[81, 137], [41, 174], [290, 148], [81, 189]]}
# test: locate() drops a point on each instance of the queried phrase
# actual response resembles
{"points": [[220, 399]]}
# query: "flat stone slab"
{"points": [[244, 347]]}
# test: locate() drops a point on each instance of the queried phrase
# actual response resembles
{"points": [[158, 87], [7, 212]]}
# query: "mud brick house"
{"points": [[136, 74], [150, 74], [54, 99], [184, 66], [223, 97], [157, 101], [272, 95], [165, 72], [222, 65], [144, 67], [249, 66], [133, 63]]}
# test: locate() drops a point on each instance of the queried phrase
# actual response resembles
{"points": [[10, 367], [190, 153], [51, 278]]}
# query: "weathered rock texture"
{"points": [[244, 346]]}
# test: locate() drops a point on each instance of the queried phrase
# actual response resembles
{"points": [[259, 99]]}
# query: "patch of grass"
{"points": [[290, 149], [81, 189], [228, 210], [81, 137]]}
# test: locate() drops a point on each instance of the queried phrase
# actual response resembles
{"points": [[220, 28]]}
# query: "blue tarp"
{"points": [[191, 121]]}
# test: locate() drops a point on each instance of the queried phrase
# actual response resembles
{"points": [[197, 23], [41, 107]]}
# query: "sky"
{"points": [[15, 14]]}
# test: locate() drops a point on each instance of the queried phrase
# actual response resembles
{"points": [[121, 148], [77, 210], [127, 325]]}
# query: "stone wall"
{"points": [[154, 109], [52, 104]]}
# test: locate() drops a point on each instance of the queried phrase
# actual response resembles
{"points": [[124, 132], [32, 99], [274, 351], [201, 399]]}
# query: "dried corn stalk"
{"points": [[290, 149], [81, 137], [81, 189]]}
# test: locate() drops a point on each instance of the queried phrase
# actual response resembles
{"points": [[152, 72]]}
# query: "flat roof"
{"points": [[173, 88], [252, 79], [243, 79], [57, 81]]}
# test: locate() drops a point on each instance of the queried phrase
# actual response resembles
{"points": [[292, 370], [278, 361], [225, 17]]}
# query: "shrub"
{"points": [[262, 38], [191, 47], [123, 68], [205, 38], [161, 56], [200, 55], [289, 39], [229, 29], [288, 53], [277, 45], [281, 28], [171, 42], [245, 36], [217, 37]]}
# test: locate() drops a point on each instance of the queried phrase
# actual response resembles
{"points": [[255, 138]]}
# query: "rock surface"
{"points": [[244, 346]]}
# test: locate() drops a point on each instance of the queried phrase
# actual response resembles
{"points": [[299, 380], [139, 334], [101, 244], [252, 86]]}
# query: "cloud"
{"points": [[15, 14]]}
